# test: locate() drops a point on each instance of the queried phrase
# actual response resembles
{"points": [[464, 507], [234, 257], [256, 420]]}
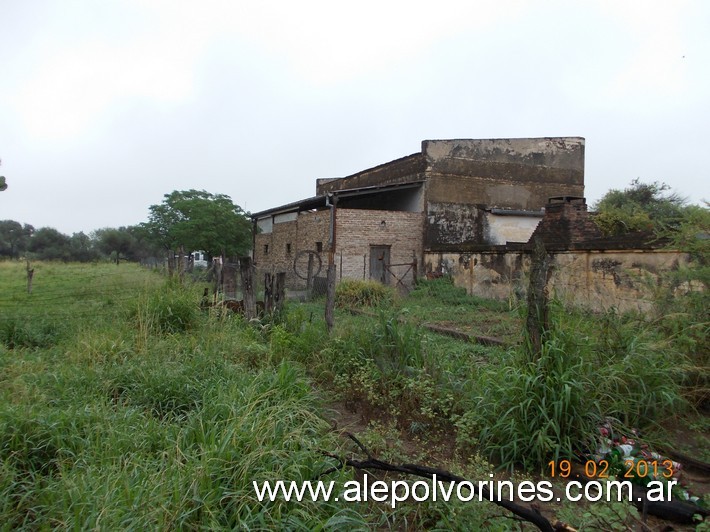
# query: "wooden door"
{"points": [[379, 262]]}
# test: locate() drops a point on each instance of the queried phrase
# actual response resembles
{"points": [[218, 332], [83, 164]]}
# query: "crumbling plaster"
{"points": [[594, 279]]}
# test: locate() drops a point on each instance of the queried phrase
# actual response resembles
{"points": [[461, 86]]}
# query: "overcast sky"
{"points": [[107, 105]]}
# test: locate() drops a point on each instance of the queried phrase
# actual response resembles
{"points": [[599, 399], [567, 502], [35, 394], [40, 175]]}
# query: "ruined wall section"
{"points": [[465, 176], [593, 279], [566, 224], [404, 170], [358, 229]]}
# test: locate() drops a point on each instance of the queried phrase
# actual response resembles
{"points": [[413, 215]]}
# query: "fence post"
{"points": [[537, 322], [268, 292], [280, 290], [248, 288], [30, 275], [330, 297], [414, 268], [309, 277]]}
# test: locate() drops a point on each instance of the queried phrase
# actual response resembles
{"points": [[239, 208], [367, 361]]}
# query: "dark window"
{"points": [[266, 249], [288, 248], [319, 246]]}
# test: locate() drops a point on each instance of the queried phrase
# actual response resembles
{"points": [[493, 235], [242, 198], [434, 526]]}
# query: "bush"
{"points": [[360, 293]]}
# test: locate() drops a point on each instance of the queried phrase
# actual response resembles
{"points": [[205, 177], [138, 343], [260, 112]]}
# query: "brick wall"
{"points": [[287, 240], [566, 223], [357, 230]]}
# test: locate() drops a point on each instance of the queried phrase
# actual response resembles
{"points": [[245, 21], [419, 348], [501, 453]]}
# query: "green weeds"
{"points": [[154, 415], [361, 293], [146, 412]]}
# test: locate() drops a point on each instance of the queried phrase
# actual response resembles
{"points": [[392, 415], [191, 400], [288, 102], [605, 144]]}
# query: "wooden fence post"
{"points": [[217, 272], [280, 290], [248, 288], [330, 297], [268, 292], [309, 277], [181, 264], [30, 275], [538, 322]]}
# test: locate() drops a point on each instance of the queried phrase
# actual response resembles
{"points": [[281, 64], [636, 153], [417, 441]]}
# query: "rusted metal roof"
{"points": [[317, 202]]}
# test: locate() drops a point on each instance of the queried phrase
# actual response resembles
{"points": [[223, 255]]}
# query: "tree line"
{"points": [[185, 220], [188, 220]]}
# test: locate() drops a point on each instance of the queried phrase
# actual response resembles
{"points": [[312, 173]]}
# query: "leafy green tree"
{"points": [[144, 246], [82, 248], [14, 238], [639, 207], [49, 244], [115, 242], [196, 219]]}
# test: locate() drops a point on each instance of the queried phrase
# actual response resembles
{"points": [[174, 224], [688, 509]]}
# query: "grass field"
{"points": [[123, 405]]}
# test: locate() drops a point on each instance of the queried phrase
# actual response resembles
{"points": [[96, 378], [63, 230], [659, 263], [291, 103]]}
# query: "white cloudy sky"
{"points": [[107, 105]]}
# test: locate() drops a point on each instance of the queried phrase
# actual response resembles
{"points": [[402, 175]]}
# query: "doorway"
{"points": [[379, 263]]}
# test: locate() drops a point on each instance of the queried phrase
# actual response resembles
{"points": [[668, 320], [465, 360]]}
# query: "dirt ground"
{"points": [[347, 419]]}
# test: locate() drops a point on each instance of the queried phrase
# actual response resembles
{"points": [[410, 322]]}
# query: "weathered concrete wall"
{"points": [[530, 160], [357, 230], [519, 174], [599, 280], [455, 223], [459, 225]]}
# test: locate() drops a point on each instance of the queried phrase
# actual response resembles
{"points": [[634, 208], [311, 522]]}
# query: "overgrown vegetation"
{"points": [[122, 404], [155, 416], [362, 293], [639, 207]]}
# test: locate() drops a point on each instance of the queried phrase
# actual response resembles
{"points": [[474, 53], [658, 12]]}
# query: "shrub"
{"points": [[361, 293]]}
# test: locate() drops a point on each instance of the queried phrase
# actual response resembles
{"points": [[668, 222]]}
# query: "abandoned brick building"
{"points": [[399, 219]]}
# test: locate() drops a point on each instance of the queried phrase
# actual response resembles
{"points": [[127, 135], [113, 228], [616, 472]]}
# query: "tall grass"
{"points": [[551, 406], [155, 415]]}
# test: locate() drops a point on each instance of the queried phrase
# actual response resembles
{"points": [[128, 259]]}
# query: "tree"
{"points": [[196, 219], [3, 183], [115, 242], [49, 244], [639, 207], [692, 234], [82, 248], [14, 238]]}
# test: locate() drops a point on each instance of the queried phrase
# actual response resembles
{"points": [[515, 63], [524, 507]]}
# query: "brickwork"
{"points": [[566, 223], [359, 229], [462, 180], [520, 174], [286, 241]]}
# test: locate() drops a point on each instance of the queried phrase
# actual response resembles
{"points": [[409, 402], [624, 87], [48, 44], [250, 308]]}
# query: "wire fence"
{"points": [[86, 295]]}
